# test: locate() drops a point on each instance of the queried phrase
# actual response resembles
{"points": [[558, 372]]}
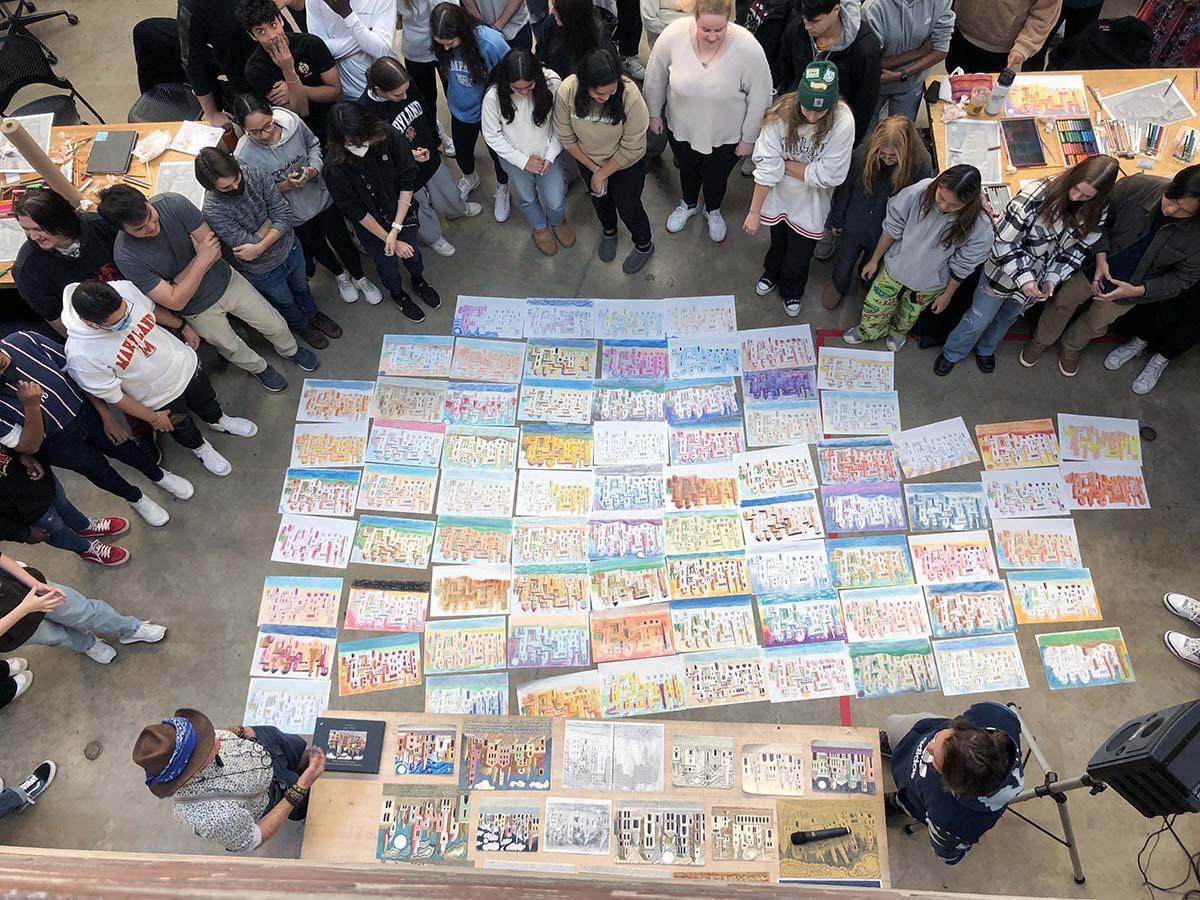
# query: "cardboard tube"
{"points": [[36, 157]]}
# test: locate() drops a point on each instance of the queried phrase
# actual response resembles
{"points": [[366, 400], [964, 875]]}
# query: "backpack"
{"points": [[1123, 43]]}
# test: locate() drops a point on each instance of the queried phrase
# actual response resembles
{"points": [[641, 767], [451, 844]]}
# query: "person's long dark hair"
{"points": [[1057, 206], [967, 185], [349, 122], [448, 22], [521, 65], [580, 32], [598, 69]]}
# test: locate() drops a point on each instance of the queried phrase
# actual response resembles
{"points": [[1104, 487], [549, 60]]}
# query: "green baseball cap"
{"points": [[818, 88]]}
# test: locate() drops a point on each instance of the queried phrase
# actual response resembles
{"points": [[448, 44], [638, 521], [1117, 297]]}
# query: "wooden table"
{"points": [[344, 809], [1106, 81], [61, 140]]}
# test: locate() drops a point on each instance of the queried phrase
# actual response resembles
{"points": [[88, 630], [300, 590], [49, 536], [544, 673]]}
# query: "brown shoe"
{"points": [[1031, 353], [832, 298], [1068, 361], [544, 238], [565, 233]]}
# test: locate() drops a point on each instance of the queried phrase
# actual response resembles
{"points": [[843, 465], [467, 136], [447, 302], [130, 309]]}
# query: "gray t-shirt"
{"points": [[146, 261]]}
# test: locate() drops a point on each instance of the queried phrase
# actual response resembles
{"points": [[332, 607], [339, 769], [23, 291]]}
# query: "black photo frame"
{"points": [[339, 739]]}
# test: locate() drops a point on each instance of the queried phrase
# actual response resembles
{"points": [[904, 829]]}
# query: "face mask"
{"points": [[237, 191], [124, 321], [359, 150]]}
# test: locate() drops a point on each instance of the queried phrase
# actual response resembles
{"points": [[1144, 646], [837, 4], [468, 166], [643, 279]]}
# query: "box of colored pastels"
{"points": [[1185, 144], [1078, 140]]}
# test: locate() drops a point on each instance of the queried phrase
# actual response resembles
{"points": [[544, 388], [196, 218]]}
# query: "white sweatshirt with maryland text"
{"points": [[143, 361]]}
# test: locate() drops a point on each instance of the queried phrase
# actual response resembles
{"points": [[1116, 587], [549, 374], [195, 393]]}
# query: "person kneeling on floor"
{"points": [[39, 612], [118, 352], [955, 775], [233, 786]]}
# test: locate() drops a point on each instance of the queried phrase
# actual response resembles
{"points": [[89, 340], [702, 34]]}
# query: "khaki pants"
{"points": [[242, 300], [1075, 292]]}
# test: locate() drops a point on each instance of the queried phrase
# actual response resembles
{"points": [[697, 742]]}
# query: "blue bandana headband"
{"points": [[185, 744]]}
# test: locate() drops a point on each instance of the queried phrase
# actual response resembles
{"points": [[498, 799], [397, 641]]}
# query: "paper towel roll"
{"points": [[16, 134]]}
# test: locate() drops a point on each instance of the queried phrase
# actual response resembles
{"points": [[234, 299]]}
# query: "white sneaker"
{"points": [[716, 225], [791, 306], [468, 183], [1145, 382], [473, 209], [1123, 354], [101, 652], [680, 215], [633, 67], [503, 203], [370, 290], [179, 488], [764, 285], [346, 289], [151, 512], [896, 342], [442, 247], [147, 633], [1180, 604], [24, 681], [1186, 648], [852, 335], [444, 137], [234, 425], [16, 664], [213, 461]]}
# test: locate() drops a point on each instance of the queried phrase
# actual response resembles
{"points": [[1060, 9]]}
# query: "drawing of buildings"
{"points": [[379, 668], [458, 595], [702, 491], [508, 830], [713, 626], [702, 762], [1014, 449], [514, 761], [946, 510], [844, 465], [623, 584], [536, 592], [431, 829], [772, 769], [637, 633], [1078, 665], [329, 403], [532, 644], [315, 494], [473, 450], [316, 448], [628, 491], [965, 609], [425, 751], [665, 833], [295, 655], [742, 833], [886, 671], [843, 769]]}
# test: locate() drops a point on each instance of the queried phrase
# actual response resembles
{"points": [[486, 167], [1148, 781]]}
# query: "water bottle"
{"points": [[1000, 91]]}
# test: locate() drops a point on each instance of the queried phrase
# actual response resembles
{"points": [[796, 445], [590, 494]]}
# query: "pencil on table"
{"points": [[1172, 84]]}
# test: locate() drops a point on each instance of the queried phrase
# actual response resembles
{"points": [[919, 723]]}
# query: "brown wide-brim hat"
{"points": [[156, 743]]}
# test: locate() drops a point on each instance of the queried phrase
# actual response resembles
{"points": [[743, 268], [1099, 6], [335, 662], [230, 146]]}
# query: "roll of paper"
{"points": [[16, 134]]}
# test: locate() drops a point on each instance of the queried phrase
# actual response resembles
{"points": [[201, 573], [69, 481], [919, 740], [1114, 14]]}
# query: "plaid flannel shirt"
{"points": [[1028, 248]]}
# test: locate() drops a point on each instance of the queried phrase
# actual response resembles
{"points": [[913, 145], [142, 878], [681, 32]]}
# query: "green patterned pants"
{"points": [[891, 308]]}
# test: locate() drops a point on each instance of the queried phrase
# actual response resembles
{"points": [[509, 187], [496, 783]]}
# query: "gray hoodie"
{"points": [[297, 146], [918, 259], [903, 25]]}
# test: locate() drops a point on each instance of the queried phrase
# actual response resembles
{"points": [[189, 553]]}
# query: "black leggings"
{"points": [[629, 27], [326, 239], [703, 171], [464, 135], [198, 397], [624, 198], [425, 77], [787, 260]]}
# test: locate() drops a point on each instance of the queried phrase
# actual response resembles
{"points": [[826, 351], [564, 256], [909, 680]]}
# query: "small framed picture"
{"points": [[350, 745]]}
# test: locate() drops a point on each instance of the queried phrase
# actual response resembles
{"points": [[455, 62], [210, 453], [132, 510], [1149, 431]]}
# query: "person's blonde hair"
{"points": [[900, 135], [787, 109], [700, 8]]}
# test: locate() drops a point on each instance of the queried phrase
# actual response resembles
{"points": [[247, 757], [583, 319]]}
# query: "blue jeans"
{"points": [[62, 521], [286, 751], [983, 326], [11, 800], [286, 288], [76, 620], [551, 188]]}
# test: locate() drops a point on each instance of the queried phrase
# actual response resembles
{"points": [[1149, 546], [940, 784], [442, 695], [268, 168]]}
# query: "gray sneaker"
{"points": [[825, 246], [636, 259], [1146, 381]]}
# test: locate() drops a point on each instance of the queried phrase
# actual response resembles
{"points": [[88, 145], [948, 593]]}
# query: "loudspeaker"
{"points": [[1154, 761]]}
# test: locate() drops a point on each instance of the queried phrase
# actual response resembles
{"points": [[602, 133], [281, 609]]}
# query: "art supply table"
{"points": [[717, 833], [75, 142], [1107, 82]]}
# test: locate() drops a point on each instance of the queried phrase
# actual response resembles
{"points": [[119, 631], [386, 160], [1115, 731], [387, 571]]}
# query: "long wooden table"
{"points": [[344, 810], [1106, 81], [61, 142]]}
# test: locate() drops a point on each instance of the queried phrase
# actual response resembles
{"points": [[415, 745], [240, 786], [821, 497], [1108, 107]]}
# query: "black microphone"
{"points": [[821, 834]]}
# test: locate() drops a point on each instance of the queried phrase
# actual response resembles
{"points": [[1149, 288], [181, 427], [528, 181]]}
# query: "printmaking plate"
{"points": [[1037, 544], [702, 761], [934, 447], [804, 617], [416, 355], [319, 492], [776, 769], [860, 412], [659, 833], [577, 826], [845, 369], [778, 521], [425, 824], [323, 400], [489, 317], [976, 665], [405, 443], [953, 556], [857, 460], [1101, 484], [328, 445], [946, 506], [854, 858], [1090, 658], [480, 359], [970, 608], [1018, 445], [1100, 438], [1026, 493], [786, 347], [409, 399]]}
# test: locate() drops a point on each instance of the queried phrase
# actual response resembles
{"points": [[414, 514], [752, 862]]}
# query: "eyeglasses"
{"points": [[261, 132]]}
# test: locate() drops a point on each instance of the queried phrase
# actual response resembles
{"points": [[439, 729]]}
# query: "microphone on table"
{"points": [[821, 834]]}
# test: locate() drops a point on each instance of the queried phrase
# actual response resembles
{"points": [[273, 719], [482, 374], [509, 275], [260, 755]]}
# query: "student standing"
{"points": [[990, 35], [601, 121], [833, 30], [893, 158], [518, 127], [467, 52], [357, 32], [395, 98], [574, 29], [371, 174], [1075, 17], [1042, 239], [277, 141], [934, 235], [801, 155], [416, 46], [118, 352], [292, 70], [658, 14], [509, 17], [710, 81], [167, 249], [915, 36], [1149, 252]]}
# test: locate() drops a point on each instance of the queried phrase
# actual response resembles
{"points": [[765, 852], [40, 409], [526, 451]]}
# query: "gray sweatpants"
{"points": [[440, 195]]}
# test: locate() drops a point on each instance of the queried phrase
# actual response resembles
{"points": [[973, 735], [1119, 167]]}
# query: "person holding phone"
{"points": [[601, 120], [1148, 251]]}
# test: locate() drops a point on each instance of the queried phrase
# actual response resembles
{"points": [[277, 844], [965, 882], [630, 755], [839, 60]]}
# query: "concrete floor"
{"points": [[201, 575]]}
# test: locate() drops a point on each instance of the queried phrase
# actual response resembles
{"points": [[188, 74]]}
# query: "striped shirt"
{"points": [[38, 359]]}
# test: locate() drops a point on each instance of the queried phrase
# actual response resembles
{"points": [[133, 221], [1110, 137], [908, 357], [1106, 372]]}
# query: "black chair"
{"points": [[166, 103], [18, 20], [26, 64]]}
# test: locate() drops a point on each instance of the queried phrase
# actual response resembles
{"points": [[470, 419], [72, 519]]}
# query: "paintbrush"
{"points": [[1171, 85]]}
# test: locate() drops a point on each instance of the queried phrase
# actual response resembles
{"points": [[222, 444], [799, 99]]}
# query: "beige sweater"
{"points": [[1004, 25], [601, 141], [711, 107]]}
